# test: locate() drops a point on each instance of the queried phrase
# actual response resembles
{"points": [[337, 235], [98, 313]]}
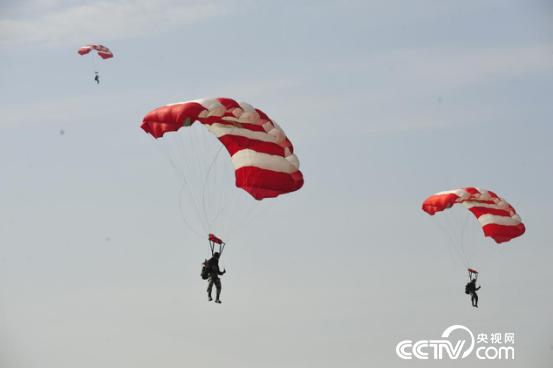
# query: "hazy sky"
{"points": [[386, 102]]}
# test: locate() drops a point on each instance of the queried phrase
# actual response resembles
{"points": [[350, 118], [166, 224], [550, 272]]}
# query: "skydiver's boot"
{"points": [[209, 298]]}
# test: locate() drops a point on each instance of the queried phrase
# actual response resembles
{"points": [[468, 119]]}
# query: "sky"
{"points": [[386, 102]]}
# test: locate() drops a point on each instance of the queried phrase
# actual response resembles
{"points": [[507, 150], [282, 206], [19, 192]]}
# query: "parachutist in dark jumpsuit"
{"points": [[471, 289], [214, 272], [97, 77]]}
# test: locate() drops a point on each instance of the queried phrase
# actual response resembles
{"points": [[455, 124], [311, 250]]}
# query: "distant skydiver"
{"points": [[212, 272], [102, 51]]}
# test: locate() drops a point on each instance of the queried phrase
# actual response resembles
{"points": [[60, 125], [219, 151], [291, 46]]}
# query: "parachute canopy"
{"points": [[263, 157], [103, 51], [498, 218]]}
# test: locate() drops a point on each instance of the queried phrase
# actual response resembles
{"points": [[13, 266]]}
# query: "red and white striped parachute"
{"points": [[103, 51], [498, 218], [263, 157]]}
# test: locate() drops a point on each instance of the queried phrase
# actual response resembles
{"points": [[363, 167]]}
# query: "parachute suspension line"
{"points": [[212, 245], [464, 227], [182, 216], [186, 185], [451, 240], [455, 223], [229, 205], [250, 207], [190, 165], [181, 176], [207, 175], [474, 238], [206, 183], [203, 138], [467, 237]]}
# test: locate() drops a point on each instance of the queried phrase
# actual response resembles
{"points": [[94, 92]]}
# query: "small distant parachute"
{"points": [[103, 51], [497, 217]]}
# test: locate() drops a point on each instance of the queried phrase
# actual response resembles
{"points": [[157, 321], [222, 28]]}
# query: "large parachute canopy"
{"points": [[497, 217], [103, 51], [263, 157]]}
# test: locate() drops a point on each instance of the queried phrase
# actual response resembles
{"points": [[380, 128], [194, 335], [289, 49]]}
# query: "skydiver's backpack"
{"points": [[205, 273], [467, 288]]}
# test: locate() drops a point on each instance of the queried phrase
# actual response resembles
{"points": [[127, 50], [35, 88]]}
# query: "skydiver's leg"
{"points": [[218, 292], [209, 288], [475, 299]]}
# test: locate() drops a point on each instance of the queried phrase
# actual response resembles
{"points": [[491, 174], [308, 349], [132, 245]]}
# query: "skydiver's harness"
{"points": [[215, 245]]}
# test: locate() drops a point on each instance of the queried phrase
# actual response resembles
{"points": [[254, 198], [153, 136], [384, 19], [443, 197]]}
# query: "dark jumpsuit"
{"points": [[214, 273], [472, 291]]}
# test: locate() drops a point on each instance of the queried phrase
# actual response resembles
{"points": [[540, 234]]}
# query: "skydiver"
{"points": [[471, 289], [212, 267], [97, 77]]}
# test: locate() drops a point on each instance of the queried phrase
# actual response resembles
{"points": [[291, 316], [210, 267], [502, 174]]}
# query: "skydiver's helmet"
{"points": [[216, 255]]}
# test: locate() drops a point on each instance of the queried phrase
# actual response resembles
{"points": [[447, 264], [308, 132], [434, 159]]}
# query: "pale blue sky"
{"points": [[386, 102]]}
